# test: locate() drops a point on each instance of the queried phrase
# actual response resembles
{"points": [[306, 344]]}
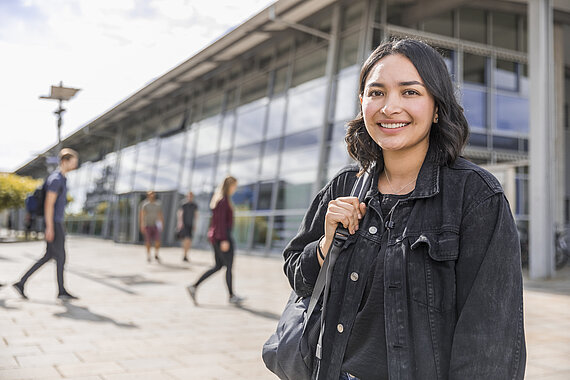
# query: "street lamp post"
{"points": [[60, 94]]}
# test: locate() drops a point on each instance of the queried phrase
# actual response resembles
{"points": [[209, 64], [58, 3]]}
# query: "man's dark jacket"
{"points": [[452, 276]]}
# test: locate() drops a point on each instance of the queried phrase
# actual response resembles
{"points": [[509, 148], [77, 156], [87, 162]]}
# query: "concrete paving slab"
{"points": [[135, 320]]}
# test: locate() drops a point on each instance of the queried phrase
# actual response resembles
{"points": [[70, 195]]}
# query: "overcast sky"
{"points": [[107, 48]]}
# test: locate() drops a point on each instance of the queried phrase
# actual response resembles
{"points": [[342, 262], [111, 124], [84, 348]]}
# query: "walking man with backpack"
{"points": [[55, 193]]}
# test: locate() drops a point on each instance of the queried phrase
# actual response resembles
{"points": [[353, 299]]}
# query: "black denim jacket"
{"points": [[452, 276]]}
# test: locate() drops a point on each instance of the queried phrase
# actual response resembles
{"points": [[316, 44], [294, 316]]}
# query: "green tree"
{"points": [[14, 188]]}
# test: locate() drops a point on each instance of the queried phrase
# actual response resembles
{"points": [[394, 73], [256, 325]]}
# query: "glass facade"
{"points": [[263, 121]]}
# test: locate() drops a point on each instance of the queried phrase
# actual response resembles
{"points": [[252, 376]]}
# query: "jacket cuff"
{"points": [[309, 263]]}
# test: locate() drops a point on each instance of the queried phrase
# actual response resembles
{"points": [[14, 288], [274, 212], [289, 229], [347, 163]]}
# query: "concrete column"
{"points": [[541, 136], [330, 73], [559, 163]]}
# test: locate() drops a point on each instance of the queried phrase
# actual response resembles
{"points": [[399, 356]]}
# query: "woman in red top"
{"points": [[219, 235]]}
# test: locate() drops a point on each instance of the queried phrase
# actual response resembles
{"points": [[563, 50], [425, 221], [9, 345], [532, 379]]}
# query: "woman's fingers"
{"points": [[347, 211]]}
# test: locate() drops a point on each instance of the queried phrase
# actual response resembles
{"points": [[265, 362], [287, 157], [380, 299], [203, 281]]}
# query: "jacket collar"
{"points": [[427, 184]]}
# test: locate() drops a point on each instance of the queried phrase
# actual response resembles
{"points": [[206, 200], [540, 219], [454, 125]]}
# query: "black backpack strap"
{"points": [[359, 190]]}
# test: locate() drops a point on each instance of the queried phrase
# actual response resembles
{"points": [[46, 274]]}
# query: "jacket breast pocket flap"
{"points": [[431, 268]]}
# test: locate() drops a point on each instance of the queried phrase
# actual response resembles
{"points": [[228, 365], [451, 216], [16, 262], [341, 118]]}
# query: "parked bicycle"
{"points": [[562, 248]]}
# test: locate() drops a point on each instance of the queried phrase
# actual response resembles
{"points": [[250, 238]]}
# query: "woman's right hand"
{"points": [[347, 211], [224, 245]]}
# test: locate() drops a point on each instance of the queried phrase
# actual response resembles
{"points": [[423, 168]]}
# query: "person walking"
{"points": [[54, 209], [151, 222], [220, 236], [428, 284], [186, 223]]}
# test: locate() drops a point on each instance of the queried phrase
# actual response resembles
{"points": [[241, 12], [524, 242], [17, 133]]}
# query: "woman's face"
{"points": [[398, 110], [232, 189]]}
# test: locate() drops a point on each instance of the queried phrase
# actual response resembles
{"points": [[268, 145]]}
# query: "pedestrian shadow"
{"points": [[259, 313], [134, 279], [6, 307], [84, 314]]}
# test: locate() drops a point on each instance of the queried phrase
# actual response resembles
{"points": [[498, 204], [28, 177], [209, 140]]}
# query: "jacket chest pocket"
{"points": [[431, 269]]}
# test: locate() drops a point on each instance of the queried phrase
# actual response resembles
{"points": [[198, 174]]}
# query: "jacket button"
{"points": [[340, 328], [354, 276], [373, 230]]}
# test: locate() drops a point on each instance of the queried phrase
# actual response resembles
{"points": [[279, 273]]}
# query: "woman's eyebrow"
{"points": [[408, 83]]}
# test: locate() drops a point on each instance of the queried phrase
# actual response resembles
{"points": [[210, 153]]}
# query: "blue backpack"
{"points": [[35, 201]]}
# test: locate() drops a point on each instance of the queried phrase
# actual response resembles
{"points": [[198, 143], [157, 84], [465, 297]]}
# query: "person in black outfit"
{"points": [[428, 284], [186, 223], [54, 209]]}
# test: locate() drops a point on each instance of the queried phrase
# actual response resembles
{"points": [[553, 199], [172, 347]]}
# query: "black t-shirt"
{"points": [[366, 354], [188, 213]]}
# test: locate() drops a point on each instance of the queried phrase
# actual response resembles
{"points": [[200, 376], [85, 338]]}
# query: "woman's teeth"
{"points": [[393, 125]]}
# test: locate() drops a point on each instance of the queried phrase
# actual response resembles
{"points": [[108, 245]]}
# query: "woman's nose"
{"points": [[391, 107]]}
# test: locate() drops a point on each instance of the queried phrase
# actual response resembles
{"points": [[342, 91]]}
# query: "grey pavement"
{"points": [[134, 320]]}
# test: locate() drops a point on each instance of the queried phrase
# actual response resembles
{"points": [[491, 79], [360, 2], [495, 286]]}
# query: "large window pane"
{"points": [[506, 75], [512, 113], [254, 89], [474, 68], [145, 169], [348, 50], [227, 130], [208, 133], [505, 30], [310, 66], [306, 106], [270, 159], [475, 105], [169, 160], [284, 229], [441, 24], [126, 171], [347, 94], [276, 117], [352, 14], [202, 175], [249, 127], [245, 163], [472, 25], [188, 161]]}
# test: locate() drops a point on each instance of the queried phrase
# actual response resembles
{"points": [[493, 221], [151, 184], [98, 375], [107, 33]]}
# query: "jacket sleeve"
{"points": [[489, 341], [223, 220], [301, 263]]}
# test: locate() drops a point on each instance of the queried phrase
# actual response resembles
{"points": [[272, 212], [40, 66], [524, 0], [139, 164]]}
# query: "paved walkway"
{"points": [[135, 321]]}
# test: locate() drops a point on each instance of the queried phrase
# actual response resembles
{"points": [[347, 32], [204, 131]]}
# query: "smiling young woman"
{"points": [[429, 284]]}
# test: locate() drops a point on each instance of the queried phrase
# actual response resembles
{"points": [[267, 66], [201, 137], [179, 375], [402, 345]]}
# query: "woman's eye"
{"points": [[375, 93], [411, 92]]}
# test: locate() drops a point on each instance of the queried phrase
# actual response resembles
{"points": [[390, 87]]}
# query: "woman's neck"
{"points": [[401, 169]]}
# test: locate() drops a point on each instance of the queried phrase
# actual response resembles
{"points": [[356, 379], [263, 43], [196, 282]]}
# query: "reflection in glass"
{"points": [[297, 175], [505, 30], [505, 142], [169, 161], [202, 176], [306, 106], [276, 115], [474, 68], [477, 139], [506, 75], [249, 127], [208, 133], [284, 229], [347, 94], [475, 105], [270, 159], [309, 66], [512, 113], [472, 25], [441, 24], [144, 174], [188, 160], [348, 51], [242, 225], [126, 170], [227, 130]]}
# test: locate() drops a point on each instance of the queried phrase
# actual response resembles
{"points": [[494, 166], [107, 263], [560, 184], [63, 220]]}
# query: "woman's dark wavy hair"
{"points": [[447, 137]]}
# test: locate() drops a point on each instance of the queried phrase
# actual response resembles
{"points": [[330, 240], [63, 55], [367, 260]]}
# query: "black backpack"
{"points": [[35, 201]]}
